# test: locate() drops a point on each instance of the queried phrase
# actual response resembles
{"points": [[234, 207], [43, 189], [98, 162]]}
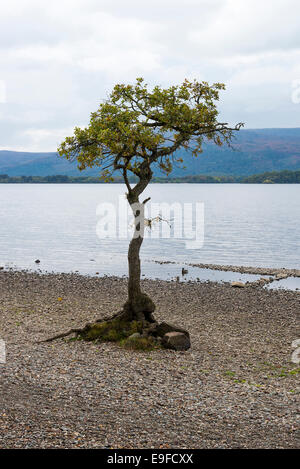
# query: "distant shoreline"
{"points": [[275, 177], [276, 271]]}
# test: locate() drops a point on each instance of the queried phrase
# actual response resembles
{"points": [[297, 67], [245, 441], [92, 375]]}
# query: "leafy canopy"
{"points": [[136, 127]]}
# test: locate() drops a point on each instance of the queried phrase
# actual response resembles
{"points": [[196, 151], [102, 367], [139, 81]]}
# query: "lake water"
{"points": [[251, 225]]}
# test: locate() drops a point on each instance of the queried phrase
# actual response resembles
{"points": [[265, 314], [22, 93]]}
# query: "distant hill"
{"points": [[280, 177], [255, 151]]}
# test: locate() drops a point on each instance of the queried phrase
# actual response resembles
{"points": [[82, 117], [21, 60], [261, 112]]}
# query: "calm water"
{"points": [[254, 225]]}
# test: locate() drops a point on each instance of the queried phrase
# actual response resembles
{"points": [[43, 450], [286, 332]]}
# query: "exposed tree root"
{"points": [[77, 331], [139, 333], [60, 336]]}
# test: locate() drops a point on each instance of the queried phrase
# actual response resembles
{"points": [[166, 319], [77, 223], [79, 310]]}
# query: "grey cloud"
{"points": [[60, 59]]}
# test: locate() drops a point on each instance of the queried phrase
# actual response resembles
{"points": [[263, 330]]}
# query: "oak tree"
{"points": [[135, 129]]}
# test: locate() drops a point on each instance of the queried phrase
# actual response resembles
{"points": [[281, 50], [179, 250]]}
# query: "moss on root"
{"points": [[138, 334], [115, 330], [139, 343], [126, 333]]}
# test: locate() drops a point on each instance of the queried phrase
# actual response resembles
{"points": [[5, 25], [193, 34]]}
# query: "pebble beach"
{"points": [[235, 388]]}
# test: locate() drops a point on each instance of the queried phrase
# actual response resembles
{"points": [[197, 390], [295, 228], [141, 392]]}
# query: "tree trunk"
{"points": [[138, 306]]}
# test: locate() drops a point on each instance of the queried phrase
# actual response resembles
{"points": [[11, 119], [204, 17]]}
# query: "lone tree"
{"points": [[136, 128]]}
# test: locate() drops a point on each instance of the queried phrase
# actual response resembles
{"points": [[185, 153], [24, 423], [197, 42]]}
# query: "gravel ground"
{"points": [[235, 388]]}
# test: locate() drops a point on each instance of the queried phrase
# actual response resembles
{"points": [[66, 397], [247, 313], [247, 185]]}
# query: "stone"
{"points": [[37, 261], [134, 336], [281, 276], [163, 328], [238, 285], [263, 281], [176, 341]]}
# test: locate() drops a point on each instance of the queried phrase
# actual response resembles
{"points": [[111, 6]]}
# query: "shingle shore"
{"points": [[235, 388]]}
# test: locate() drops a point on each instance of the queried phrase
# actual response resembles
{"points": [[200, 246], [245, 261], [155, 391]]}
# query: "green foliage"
{"points": [[55, 179], [137, 127], [268, 181], [280, 177]]}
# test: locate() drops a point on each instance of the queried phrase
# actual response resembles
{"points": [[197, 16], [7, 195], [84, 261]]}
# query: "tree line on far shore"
{"points": [[280, 177]]}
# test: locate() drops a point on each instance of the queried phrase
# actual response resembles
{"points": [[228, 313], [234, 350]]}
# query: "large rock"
{"points": [[176, 341], [164, 328]]}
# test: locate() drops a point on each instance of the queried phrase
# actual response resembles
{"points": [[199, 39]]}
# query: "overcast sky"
{"points": [[60, 58]]}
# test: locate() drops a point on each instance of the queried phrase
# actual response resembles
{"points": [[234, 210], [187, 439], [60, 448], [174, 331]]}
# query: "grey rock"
{"points": [[176, 341], [164, 327], [134, 336]]}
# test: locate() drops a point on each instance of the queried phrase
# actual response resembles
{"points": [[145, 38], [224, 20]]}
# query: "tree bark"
{"points": [[138, 305]]}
